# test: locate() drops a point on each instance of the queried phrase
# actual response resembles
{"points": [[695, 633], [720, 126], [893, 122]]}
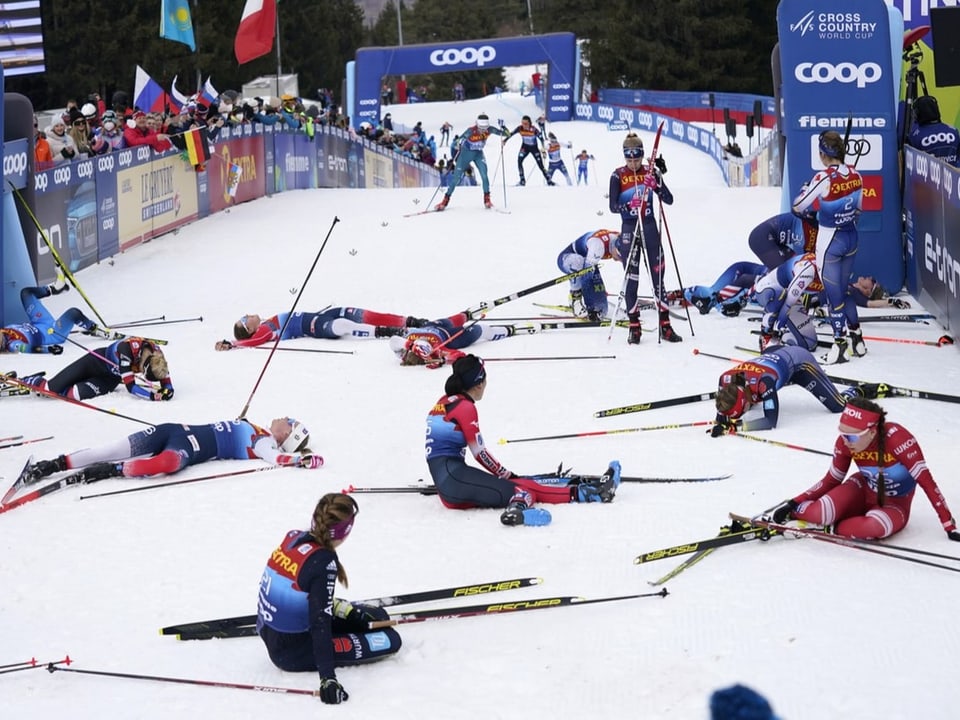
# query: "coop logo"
{"points": [[585, 111], [143, 152], [105, 164], [125, 158], [645, 120], [619, 125], [941, 137], [368, 101], [605, 112], [463, 56], [85, 169], [15, 164], [803, 25], [846, 72], [41, 182], [62, 175]]}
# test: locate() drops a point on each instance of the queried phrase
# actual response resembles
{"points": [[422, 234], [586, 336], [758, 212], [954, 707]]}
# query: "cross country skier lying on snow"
{"points": [[171, 447]]}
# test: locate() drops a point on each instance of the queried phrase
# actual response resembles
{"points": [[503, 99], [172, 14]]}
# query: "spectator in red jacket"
{"points": [[140, 134]]}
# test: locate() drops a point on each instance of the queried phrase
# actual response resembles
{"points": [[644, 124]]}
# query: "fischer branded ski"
{"points": [[639, 407], [744, 532], [455, 591], [503, 608]]}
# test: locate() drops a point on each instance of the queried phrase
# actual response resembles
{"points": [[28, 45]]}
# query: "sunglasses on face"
{"points": [[79, 123], [852, 438]]}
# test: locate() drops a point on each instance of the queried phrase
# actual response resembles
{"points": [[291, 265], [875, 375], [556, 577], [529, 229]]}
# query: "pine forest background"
{"points": [[718, 45]]}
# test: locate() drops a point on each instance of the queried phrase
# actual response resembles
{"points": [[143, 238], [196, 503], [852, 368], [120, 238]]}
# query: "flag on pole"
{"points": [[147, 93], [208, 93], [256, 31], [233, 179], [197, 146], [175, 22], [177, 98]]}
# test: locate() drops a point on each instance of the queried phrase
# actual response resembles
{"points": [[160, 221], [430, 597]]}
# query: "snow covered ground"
{"points": [[822, 631]]}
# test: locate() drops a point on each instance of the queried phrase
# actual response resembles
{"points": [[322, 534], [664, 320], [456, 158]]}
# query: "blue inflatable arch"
{"points": [[557, 50]]}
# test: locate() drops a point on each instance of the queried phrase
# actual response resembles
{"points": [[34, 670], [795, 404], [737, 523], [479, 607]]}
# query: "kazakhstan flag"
{"points": [[175, 22]]}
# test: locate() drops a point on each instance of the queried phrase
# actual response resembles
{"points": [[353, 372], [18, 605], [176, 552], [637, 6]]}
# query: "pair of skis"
{"points": [[245, 625], [24, 480], [745, 529]]}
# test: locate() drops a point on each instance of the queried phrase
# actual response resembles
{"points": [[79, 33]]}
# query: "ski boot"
{"points": [[519, 512], [486, 201], [440, 206]]}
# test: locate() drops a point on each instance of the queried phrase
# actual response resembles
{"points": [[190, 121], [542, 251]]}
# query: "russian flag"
{"points": [[208, 93], [147, 93], [177, 98], [255, 34]]}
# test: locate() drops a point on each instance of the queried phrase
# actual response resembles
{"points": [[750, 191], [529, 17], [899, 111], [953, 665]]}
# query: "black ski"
{"points": [[456, 591], [742, 532], [640, 407]]}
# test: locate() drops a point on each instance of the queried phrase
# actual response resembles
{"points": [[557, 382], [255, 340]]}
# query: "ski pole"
{"points": [[309, 350], [11, 437], [131, 323], [595, 433], [503, 178], [31, 664], [162, 321], [855, 543], [64, 398], [188, 681], [276, 342], [673, 254], [781, 444], [697, 351], [487, 305], [25, 442], [942, 341], [558, 357], [56, 256], [180, 482]]}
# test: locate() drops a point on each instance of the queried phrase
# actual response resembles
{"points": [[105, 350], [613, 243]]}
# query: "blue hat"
{"points": [[739, 702]]}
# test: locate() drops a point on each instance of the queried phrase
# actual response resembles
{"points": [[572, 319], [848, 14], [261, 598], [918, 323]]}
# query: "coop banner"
{"points": [[838, 71]]}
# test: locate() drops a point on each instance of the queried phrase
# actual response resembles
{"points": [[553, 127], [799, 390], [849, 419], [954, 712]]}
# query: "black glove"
{"points": [[954, 535], [67, 153], [163, 394], [723, 427], [782, 511], [54, 349], [661, 164], [332, 692], [357, 621], [898, 303]]}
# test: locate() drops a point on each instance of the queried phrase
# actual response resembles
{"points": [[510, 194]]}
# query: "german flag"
{"points": [[197, 145]]}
